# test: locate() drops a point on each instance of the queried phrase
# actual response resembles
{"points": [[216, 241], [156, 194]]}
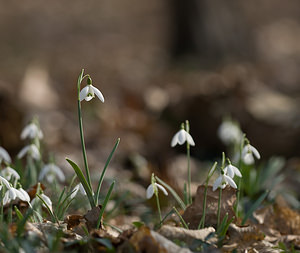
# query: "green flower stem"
{"points": [[181, 218], [158, 207], [187, 127], [80, 78], [219, 207], [239, 185]]}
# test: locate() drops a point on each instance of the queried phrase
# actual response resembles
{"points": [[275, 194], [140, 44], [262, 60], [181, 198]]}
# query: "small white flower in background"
{"points": [[31, 131], [31, 150], [50, 171], [230, 132], [181, 137], [45, 198], [78, 187], [9, 173], [88, 93], [222, 181], [4, 156], [248, 154], [153, 188], [231, 171]]}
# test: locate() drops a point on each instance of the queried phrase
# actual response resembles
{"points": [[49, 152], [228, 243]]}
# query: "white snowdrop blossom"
{"points": [[45, 198], [231, 171], [31, 131], [153, 188], [4, 156], [50, 172], [248, 154], [9, 173], [4, 181], [229, 132], [13, 193], [222, 181], [88, 93], [78, 187], [31, 150], [181, 137]]}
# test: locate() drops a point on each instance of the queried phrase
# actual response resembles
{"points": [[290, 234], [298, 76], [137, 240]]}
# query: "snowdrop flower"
{"points": [[3, 181], [31, 150], [9, 172], [153, 188], [222, 181], [14, 193], [78, 187], [229, 132], [181, 137], [32, 131], [88, 93], [45, 198], [4, 156], [50, 171], [231, 171], [248, 154]]}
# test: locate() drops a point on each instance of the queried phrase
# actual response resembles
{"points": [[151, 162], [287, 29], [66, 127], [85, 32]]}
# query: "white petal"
{"points": [[248, 159], [44, 171], [13, 193], [5, 182], [6, 198], [162, 189], [190, 139], [255, 152], [149, 192], [88, 98], [23, 152], [58, 172], [230, 181], [4, 155], [81, 189], [24, 194], [229, 171], [83, 93], [8, 172], [26, 131], [236, 171], [98, 93], [217, 183], [35, 153], [47, 200], [75, 191], [182, 136], [174, 140]]}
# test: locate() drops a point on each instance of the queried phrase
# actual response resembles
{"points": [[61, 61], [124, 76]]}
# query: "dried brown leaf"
{"points": [[92, 217], [193, 213]]}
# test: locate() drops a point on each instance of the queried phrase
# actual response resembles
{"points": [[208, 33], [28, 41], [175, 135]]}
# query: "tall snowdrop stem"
{"points": [[187, 128], [158, 208], [2, 208], [239, 185], [80, 78], [219, 208]]}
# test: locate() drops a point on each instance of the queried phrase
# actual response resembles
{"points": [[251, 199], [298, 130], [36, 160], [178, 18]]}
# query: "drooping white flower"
{"points": [[50, 171], [229, 132], [45, 198], [222, 181], [248, 154], [13, 193], [153, 188], [31, 150], [31, 131], [78, 187], [88, 93], [9, 173], [231, 171], [181, 137], [4, 156]]}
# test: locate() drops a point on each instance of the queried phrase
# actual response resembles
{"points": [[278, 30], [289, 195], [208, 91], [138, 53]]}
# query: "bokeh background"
{"points": [[157, 63]]}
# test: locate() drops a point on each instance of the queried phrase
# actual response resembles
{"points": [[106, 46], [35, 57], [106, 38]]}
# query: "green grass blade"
{"points": [[83, 181], [104, 170], [175, 195], [181, 219], [59, 199], [18, 213], [105, 203], [48, 208], [255, 206]]}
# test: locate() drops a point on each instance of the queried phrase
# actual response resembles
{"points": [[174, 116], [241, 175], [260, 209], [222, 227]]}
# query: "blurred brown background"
{"points": [[157, 63]]}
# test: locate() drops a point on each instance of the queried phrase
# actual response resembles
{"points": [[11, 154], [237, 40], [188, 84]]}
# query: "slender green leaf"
{"points": [[105, 203], [59, 199], [175, 195], [83, 181], [180, 217], [18, 213], [104, 170], [255, 206], [48, 208]]}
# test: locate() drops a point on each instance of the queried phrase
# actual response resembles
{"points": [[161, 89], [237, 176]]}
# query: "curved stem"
{"points": [[158, 207], [219, 207], [80, 78]]}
